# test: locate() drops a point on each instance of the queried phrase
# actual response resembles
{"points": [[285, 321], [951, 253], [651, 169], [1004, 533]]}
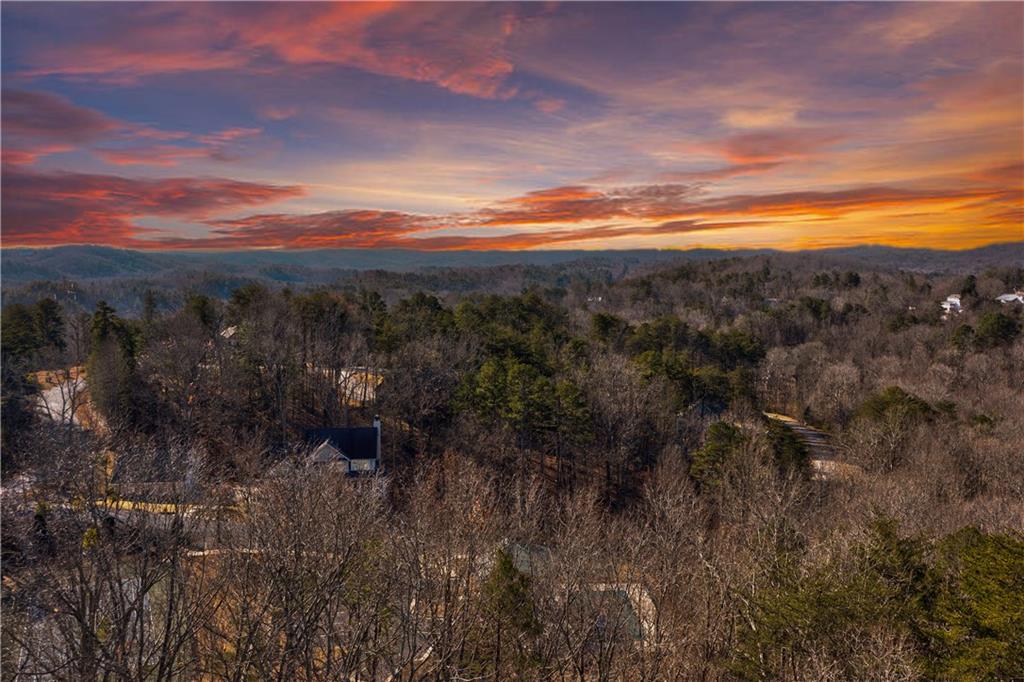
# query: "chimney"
{"points": [[376, 425]]}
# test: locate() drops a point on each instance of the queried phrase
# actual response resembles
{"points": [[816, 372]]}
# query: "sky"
{"points": [[440, 126]]}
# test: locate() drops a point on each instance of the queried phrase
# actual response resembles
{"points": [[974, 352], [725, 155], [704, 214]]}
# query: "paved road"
{"points": [[818, 443], [821, 449]]}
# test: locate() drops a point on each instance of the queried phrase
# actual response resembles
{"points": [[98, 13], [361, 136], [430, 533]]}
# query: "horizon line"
{"points": [[775, 249]]}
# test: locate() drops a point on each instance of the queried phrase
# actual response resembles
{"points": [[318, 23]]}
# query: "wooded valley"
{"points": [[759, 467]]}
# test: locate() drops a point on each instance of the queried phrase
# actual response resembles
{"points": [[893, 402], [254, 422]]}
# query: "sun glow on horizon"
{"points": [[470, 126]]}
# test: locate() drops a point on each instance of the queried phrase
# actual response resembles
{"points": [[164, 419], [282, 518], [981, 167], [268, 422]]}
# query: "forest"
{"points": [[765, 467]]}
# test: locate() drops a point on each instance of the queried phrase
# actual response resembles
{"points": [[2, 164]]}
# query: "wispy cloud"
{"points": [[46, 208], [40, 207], [142, 41], [775, 145], [37, 124], [489, 125]]}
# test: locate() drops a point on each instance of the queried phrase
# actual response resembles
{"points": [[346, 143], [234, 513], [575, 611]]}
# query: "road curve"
{"points": [[820, 448]]}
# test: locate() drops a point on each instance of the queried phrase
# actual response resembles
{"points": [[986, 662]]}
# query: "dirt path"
{"points": [[62, 402]]}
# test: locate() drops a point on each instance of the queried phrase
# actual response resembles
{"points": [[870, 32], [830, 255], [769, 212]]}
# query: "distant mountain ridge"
{"points": [[20, 265], [101, 262]]}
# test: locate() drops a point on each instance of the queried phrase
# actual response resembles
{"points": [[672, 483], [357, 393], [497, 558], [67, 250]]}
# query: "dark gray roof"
{"points": [[529, 559], [617, 615], [355, 443]]}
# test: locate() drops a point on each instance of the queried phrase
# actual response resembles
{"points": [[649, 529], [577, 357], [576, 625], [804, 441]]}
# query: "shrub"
{"points": [[723, 440], [894, 401], [996, 329], [789, 452]]}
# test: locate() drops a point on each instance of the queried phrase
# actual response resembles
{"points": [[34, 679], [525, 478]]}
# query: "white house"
{"points": [[1015, 297], [951, 305]]}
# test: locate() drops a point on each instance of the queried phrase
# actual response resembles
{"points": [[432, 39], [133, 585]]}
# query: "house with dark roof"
{"points": [[621, 611], [355, 450]]}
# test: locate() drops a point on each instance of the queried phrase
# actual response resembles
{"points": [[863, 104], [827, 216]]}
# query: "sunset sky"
{"points": [[512, 126]]}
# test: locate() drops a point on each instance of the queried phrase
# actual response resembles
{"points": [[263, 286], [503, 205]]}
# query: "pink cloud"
{"points": [[414, 44], [730, 171], [60, 208], [152, 155], [549, 105], [579, 203], [218, 146], [774, 145], [359, 228], [278, 113], [42, 116], [221, 145], [229, 135], [37, 124]]}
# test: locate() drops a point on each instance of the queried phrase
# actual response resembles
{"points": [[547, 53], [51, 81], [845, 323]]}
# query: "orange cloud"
{"points": [[387, 229], [837, 203], [41, 208], [355, 228], [1010, 174], [529, 240], [579, 203], [560, 214]]}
